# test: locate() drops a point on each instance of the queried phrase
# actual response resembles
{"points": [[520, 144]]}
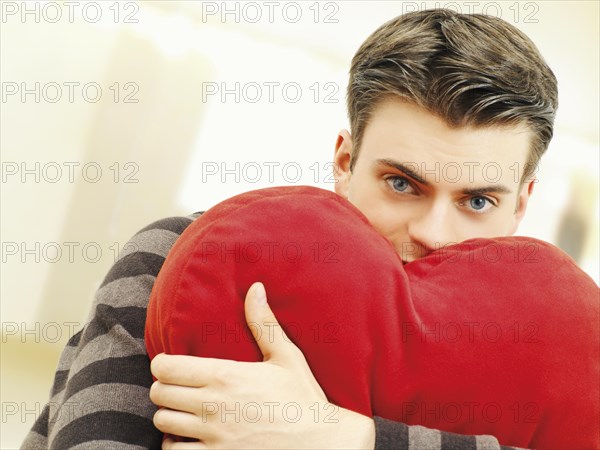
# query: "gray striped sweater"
{"points": [[100, 395]]}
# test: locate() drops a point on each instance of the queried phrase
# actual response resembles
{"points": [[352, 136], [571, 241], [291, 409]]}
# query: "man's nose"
{"points": [[432, 228]]}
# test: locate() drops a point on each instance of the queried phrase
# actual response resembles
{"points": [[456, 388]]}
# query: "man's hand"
{"points": [[276, 403]]}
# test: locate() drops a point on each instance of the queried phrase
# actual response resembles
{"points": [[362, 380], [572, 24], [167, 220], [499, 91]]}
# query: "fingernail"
{"points": [[260, 294]]}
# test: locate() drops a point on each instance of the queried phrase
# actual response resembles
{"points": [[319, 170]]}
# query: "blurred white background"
{"points": [[136, 116]]}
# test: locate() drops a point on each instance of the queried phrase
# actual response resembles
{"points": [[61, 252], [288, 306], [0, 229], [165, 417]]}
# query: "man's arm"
{"points": [[100, 394], [396, 435], [99, 397]]}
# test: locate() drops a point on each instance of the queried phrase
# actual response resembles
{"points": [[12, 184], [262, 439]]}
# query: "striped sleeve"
{"points": [[390, 435], [100, 395]]}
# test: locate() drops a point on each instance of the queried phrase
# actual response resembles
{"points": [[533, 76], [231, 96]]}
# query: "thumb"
{"points": [[270, 337]]}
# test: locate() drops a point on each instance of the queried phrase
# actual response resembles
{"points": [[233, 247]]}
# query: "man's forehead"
{"points": [[404, 134], [393, 107], [462, 146], [397, 122]]}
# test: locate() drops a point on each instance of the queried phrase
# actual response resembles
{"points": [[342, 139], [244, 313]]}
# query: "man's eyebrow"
{"points": [[475, 191], [497, 189], [402, 168]]}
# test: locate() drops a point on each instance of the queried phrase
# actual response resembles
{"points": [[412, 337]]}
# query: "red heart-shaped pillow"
{"points": [[490, 336]]}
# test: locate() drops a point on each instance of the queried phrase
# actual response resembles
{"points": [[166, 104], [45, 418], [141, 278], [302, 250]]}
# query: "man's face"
{"points": [[424, 185]]}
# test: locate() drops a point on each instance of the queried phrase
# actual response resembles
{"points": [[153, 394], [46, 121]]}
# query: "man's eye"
{"points": [[400, 184], [480, 204]]}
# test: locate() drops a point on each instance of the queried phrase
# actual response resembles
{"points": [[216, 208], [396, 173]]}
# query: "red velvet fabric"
{"points": [[490, 336]]}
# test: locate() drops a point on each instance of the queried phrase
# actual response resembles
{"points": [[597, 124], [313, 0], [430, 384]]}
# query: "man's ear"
{"points": [[341, 163], [522, 201]]}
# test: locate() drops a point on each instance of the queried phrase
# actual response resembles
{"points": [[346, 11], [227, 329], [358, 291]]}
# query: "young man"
{"points": [[449, 115]]}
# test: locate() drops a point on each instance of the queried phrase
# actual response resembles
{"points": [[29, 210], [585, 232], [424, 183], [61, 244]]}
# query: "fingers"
{"points": [[182, 398], [270, 337], [170, 444], [192, 371], [182, 424]]}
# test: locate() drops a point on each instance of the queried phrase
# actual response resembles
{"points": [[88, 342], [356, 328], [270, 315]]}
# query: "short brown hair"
{"points": [[468, 69]]}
